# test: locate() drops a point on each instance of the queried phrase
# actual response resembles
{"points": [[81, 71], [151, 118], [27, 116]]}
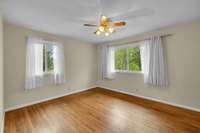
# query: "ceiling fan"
{"points": [[106, 26]]}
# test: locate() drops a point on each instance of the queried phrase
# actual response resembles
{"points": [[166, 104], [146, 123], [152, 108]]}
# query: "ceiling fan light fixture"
{"points": [[107, 34], [103, 17], [106, 26], [98, 32], [111, 30], [101, 28]]}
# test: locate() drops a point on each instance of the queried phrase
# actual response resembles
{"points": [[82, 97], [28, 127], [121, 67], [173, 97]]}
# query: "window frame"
{"points": [[136, 45]]}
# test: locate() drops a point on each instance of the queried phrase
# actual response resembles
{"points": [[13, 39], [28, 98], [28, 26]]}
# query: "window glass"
{"points": [[127, 59], [134, 63], [44, 58], [120, 59], [47, 58], [49, 54]]}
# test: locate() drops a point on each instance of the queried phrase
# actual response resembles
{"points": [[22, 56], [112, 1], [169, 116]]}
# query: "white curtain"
{"points": [[59, 64], [34, 64], [153, 62], [107, 56]]}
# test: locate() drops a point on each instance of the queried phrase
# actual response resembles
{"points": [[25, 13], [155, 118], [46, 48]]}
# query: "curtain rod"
{"points": [[165, 35]]}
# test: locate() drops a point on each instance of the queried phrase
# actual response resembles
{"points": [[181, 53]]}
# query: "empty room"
{"points": [[99, 66]]}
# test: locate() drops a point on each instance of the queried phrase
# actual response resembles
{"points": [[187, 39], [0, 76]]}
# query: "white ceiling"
{"points": [[66, 17]]}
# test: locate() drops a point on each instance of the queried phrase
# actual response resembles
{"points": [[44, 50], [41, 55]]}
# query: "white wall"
{"points": [[1, 72], [182, 51], [183, 56], [81, 66]]}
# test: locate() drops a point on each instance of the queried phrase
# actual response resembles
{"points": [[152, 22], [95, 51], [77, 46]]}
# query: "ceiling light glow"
{"points": [[98, 32], [101, 28], [107, 34], [104, 17], [111, 30]]}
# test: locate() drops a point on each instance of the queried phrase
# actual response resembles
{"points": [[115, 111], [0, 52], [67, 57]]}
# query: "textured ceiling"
{"points": [[66, 17]]}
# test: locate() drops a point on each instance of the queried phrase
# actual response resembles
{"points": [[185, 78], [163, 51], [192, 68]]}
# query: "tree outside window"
{"points": [[127, 59]]}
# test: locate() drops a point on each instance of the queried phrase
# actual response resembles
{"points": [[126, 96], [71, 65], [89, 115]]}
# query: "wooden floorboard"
{"points": [[101, 111]]}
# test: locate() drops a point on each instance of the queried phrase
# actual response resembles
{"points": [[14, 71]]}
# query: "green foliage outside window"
{"points": [[127, 59], [48, 58], [134, 59], [120, 59]]}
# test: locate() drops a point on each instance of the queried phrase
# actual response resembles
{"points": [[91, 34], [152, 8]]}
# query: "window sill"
{"points": [[129, 72], [48, 73]]}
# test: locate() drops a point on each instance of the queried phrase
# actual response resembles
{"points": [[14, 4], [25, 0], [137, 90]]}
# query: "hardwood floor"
{"points": [[101, 111]]}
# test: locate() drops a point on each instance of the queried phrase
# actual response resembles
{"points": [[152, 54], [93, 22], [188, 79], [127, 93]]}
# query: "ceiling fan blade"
{"points": [[80, 20], [131, 14], [119, 23], [91, 25]]}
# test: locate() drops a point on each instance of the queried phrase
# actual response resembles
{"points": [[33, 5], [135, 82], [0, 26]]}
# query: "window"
{"points": [[43, 57], [48, 65], [127, 59]]}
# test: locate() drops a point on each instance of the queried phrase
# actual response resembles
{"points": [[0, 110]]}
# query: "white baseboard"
{"points": [[46, 99], [2, 123], [152, 99]]}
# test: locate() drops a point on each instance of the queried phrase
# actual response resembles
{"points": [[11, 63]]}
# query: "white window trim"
{"points": [[136, 45]]}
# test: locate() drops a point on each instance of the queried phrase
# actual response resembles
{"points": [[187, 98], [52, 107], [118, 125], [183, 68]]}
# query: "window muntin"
{"points": [[127, 59]]}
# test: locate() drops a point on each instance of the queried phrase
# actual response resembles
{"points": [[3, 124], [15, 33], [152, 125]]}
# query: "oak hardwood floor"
{"points": [[101, 111]]}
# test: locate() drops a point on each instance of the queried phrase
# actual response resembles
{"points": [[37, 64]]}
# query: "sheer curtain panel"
{"points": [[59, 64], [107, 56], [153, 62], [34, 64]]}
